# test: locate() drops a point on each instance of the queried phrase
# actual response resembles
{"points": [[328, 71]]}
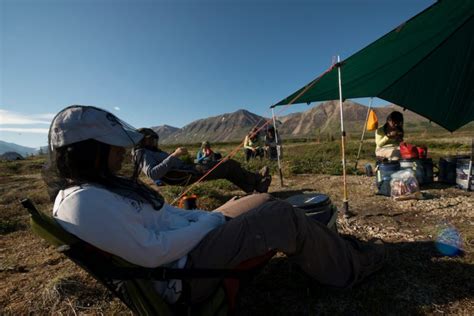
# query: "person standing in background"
{"points": [[253, 145]]}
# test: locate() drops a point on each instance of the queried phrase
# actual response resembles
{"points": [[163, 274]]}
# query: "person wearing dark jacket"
{"points": [[272, 143]]}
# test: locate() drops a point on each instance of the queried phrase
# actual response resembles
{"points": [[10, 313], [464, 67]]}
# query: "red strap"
{"points": [[232, 286]]}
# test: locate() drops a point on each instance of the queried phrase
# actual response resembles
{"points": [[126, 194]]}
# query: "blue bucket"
{"points": [[384, 175]]}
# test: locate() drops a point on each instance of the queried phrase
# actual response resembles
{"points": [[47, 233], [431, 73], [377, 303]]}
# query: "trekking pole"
{"points": [[363, 133], [278, 148]]}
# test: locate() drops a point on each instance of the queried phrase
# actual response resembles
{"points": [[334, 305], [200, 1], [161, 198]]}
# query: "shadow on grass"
{"points": [[415, 280]]}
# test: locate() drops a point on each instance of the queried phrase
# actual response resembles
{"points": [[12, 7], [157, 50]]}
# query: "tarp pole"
{"points": [[278, 148], [363, 133], [343, 141], [469, 175]]}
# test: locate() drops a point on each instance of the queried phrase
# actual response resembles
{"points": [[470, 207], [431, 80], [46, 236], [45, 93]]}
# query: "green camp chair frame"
{"points": [[178, 177], [183, 177]]}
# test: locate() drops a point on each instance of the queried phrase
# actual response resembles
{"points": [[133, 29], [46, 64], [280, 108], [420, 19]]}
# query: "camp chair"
{"points": [[178, 177], [133, 284], [187, 176]]}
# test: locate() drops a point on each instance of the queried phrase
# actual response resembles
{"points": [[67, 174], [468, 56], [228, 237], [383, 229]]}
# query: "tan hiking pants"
{"points": [[276, 225], [389, 152]]}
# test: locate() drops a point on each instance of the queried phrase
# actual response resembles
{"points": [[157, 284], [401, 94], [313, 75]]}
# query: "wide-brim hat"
{"points": [[79, 122]]}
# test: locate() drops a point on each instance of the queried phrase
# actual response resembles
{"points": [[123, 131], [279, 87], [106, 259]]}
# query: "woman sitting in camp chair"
{"points": [[122, 216], [158, 165], [206, 156]]}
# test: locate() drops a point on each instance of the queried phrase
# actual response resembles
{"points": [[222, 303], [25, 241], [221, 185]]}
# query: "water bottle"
{"points": [[368, 170]]}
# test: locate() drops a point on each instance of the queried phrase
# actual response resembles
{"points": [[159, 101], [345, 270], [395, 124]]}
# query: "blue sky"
{"points": [[172, 62]]}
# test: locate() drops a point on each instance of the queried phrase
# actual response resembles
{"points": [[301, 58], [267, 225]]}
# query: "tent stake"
{"points": [[343, 144], [363, 134], [278, 148]]}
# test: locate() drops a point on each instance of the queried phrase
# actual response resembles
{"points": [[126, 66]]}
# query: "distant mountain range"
{"points": [[325, 119], [221, 128], [12, 147], [321, 119]]}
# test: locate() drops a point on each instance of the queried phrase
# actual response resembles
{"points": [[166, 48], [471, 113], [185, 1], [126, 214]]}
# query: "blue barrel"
{"points": [[386, 169], [384, 175]]}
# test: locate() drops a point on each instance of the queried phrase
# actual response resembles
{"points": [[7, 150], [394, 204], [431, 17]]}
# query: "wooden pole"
{"points": [[343, 142]]}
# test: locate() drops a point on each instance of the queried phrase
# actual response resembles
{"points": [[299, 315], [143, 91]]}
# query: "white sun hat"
{"points": [[79, 122]]}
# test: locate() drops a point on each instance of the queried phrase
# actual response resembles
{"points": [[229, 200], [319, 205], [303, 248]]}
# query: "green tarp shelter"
{"points": [[425, 65]]}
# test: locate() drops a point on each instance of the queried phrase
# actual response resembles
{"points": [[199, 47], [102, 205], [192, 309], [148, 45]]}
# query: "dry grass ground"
{"points": [[417, 278]]}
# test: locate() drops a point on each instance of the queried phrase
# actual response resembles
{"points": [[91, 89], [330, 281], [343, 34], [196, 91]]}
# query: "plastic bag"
{"points": [[404, 185]]}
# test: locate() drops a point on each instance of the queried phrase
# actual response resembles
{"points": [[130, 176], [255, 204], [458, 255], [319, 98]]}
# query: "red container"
{"points": [[408, 151], [422, 152], [188, 202]]}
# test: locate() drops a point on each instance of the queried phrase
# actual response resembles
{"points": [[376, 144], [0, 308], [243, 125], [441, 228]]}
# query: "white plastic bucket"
{"points": [[462, 174]]}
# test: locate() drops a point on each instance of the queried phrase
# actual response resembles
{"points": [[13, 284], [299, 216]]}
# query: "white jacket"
{"points": [[132, 230]]}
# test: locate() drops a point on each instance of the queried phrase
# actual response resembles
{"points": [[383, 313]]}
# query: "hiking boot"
{"points": [[265, 180], [262, 186], [264, 172]]}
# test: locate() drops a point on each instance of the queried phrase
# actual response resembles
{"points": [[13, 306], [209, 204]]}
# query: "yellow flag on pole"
{"points": [[372, 122]]}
